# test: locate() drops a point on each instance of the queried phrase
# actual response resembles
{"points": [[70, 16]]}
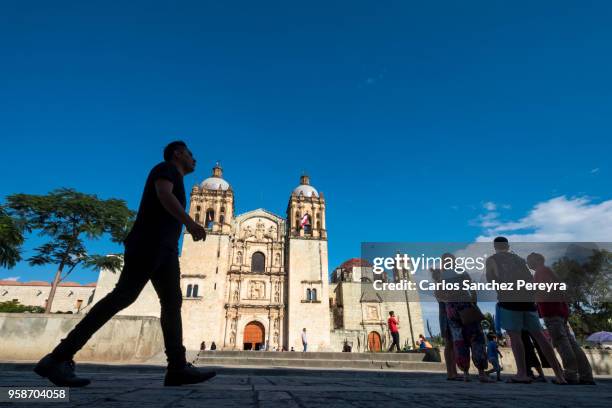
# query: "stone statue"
{"points": [[260, 230], [239, 258], [248, 232], [272, 232]]}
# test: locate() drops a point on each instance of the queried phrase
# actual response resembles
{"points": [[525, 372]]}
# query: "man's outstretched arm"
{"points": [[171, 204]]}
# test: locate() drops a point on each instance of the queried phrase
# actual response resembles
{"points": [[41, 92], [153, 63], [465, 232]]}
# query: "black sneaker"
{"points": [[187, 375], [60, 373]]}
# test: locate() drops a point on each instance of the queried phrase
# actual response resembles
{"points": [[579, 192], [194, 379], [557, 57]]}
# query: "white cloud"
{"points": [[559, 219], [595, 170], [490, 206], [12, 278]]}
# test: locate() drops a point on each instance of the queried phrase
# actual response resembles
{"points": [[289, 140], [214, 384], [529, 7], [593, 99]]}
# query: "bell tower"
{"points": [[308, 277], [212, 203], [204, 263], [306, 211]]}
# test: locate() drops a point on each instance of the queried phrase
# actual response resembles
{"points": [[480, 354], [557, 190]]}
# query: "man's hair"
{"points": [[391, 313], [173, 147], [501, 243], [536, 258]]}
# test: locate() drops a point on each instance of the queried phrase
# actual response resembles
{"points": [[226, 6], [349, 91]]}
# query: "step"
{"points": [[298, 355], [320, 363]]}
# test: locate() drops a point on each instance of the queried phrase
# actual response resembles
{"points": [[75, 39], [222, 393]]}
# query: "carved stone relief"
{"points": [[257, 290]]}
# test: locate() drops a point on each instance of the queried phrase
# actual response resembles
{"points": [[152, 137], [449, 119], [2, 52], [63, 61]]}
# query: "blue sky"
{"points": [[444, 121]]}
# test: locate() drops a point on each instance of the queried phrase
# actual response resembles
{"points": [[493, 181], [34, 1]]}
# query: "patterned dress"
{"points": [[465, 338]]}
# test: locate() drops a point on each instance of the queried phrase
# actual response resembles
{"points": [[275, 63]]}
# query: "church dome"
{"points": [[305, 188], [216, 181]]}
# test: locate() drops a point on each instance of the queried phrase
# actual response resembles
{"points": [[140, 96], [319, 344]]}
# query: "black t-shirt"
{"points": [[154, 226]]}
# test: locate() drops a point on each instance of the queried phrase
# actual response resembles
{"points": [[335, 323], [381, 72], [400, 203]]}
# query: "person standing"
{"points": [[555, 312], [467, 335], [304, 339], [517, 309], [445, 332], [151, 254], [392, 323]]}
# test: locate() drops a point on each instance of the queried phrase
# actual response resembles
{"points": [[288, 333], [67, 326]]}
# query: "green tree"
{"points": [[13, 306], [588, 291], [65, 217], [488, 323], [11, 239]]}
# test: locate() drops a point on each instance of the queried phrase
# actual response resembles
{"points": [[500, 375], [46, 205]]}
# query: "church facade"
{"points": [[258, 279]]}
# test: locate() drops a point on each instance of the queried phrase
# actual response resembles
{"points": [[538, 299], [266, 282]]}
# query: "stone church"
{"points": [[259, 279]]}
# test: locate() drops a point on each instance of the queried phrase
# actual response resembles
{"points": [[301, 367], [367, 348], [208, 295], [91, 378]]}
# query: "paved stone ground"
{"points": [[130, 386]]}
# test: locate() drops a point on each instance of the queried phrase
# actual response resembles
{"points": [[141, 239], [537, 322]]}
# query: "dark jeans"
{"points": [[161, 266], [395, 337]]}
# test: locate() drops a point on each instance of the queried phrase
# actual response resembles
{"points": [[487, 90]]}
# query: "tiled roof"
{"points": [[44, 283], [353, 262]]}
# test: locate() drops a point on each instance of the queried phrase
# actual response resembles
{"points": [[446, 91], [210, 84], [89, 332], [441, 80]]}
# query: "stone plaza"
{"points": [[140, 386]]}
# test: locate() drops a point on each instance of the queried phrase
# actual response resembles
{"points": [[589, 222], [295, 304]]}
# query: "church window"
{"points": [[258, 262], [194, 293], [222, 219], [210, 217], [308, 294], [313, 295], [189, 288], [308, 226]]}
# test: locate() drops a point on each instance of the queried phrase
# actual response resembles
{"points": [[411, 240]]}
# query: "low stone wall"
{"points": [[28, 336], [601, 361]]}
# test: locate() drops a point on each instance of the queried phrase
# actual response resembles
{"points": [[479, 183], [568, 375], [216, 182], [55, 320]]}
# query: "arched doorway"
{"points": [[374, 341], [254, 335]]}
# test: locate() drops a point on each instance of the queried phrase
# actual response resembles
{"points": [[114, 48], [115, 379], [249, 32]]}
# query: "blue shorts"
{"points": [[518, 320]]}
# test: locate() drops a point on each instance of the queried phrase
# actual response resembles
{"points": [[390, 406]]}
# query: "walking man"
{"points": [[151, 253], [392, 322]]}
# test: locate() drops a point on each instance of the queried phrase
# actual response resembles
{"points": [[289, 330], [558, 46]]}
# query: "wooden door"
{"points": [[374, 341], [254, 334]]}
